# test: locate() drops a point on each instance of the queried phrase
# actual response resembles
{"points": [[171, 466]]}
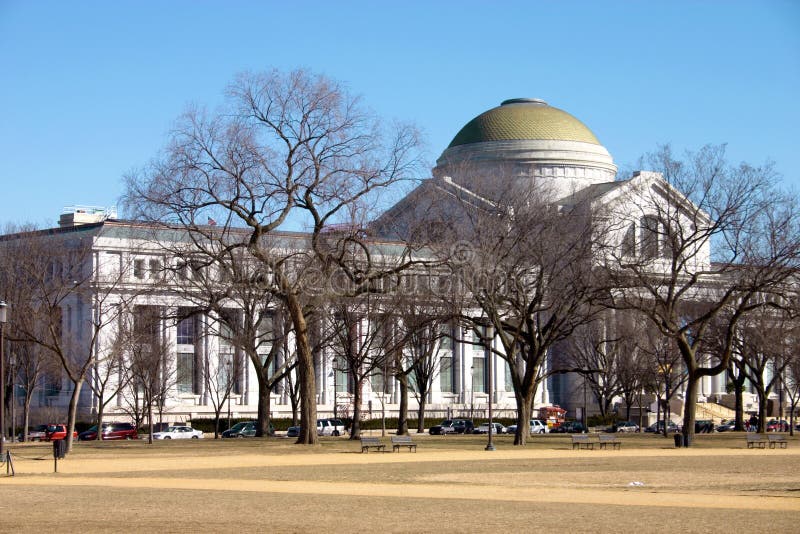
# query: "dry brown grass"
{"points": [[451, 484]]}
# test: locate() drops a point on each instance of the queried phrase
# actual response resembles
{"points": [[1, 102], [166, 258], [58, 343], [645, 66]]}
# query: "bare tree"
{"points": [[599, 357], [792, 388], [287, 147], [766, 344], [147, 357], [703, 240], [31, 365], [359, 329], [61, 277], [664, 370], [526, 267], [421, 332]]}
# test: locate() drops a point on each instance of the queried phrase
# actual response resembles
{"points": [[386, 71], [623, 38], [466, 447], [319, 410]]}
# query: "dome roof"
{"points": [[524, 119]]}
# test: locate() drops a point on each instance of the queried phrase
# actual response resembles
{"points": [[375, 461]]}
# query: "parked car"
{"points": [[58, 431], [293, 432], [483, 428], [463, 426], [111, 431], [778, 426], [178, 432], [624, 426], [37, 433], [330, 427], [536, 426], [245, 429], [445, 427], [658, 426], [703, 426], [569, 427], [727, 426], [453, 426]]}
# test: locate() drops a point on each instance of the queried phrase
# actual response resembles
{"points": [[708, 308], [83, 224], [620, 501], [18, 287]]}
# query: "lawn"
{"points": [[450, 485]]}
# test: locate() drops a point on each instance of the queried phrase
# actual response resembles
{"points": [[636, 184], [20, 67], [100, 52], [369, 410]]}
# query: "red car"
{"points": [[777, 426], [111, 431], [58, 432]]}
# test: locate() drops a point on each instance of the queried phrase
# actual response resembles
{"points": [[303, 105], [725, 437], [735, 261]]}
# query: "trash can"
{"points": [[678, 439], [59, 449]]}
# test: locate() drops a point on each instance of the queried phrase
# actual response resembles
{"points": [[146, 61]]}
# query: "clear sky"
{"points": [[88, 90]]}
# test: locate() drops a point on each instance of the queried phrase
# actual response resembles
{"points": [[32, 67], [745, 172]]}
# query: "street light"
{"points": [[229, 365], [3, 319], [489, 358]]}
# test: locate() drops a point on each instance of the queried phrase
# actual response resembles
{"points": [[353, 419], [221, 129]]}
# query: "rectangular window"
{"points": [[224, 371], [509, 378], [479, 374], [185, 372], [378, 383], [186, 331], [412, 382], [138, 269], [340, 377], [155, 269], [446, 374], [445, 341]]}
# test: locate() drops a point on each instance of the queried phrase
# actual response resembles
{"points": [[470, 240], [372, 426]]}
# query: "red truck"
{"points": [[58, 432]]}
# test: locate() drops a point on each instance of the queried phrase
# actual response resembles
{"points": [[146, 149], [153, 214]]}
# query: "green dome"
{"points": [[524, 119]]}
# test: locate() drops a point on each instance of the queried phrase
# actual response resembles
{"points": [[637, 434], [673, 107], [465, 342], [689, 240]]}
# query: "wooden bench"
{"points": [[582, 441], [776, 440], [608, 439], [372, 443], [756, 440], [403, 441]]}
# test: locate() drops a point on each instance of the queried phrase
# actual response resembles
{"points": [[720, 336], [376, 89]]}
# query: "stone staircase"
{"points": [[715, 412]]}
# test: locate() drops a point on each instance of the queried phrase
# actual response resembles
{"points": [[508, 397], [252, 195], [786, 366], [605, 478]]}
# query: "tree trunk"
{"points": [[26, 416], [738, 395], [762, 410], [355, 427], [150, 418], [421, 414], [402, 412], [264, 400], [689, 408], [100, 414], [524, 409], [305, 372], [73, 411]]}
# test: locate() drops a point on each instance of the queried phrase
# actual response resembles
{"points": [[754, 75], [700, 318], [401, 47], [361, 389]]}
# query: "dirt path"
{"points": [[453, 486]]}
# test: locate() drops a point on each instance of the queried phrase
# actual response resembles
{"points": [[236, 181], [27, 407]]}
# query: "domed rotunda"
{"points": [[529, 143]]}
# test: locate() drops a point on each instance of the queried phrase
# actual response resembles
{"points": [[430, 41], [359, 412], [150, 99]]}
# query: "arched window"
{"points": [[651, 231], [628, 245]]}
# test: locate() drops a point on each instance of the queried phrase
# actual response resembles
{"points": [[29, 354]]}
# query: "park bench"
{"points": [[608, 439], [582, 441], [776, 440], [372, 443], [756, 440], [403, 441]]}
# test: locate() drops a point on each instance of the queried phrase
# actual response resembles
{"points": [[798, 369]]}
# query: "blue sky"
{"points": [[89, 89]]}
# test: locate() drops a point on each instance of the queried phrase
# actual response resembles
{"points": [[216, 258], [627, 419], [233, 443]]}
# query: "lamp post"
{"points": [[229, 388], [489, 358], [3, 319], [335, 370]]}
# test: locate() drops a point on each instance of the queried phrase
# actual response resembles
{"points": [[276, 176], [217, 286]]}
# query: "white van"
{"points": [[330, 427], [538, 427]]}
